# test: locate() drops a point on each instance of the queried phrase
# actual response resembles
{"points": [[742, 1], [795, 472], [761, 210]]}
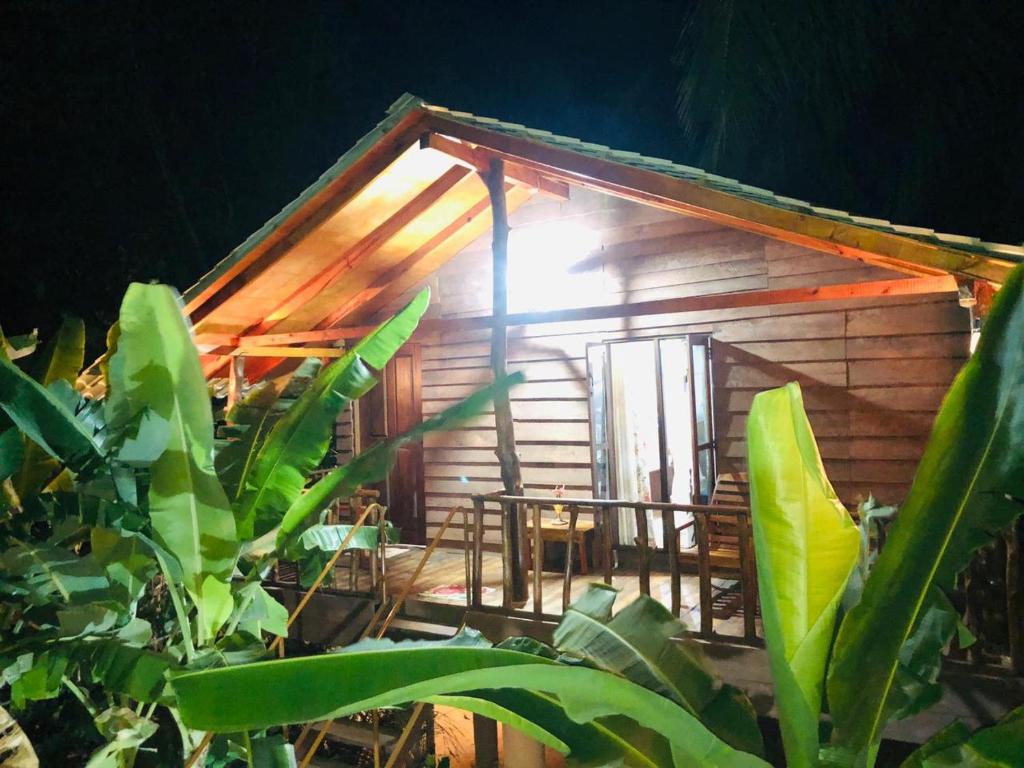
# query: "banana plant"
{"points": [[121, 554], [883, 662], [611, 689], [816, 574]]}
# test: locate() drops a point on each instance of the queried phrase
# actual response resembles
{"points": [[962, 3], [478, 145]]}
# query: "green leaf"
{"points": [[375, 463], [11, 453], [123, 668], [125, 732], [972, 465], [215, 605], [49, 573], [46, 420], [314, 688], [272, 752], [127, 559], [1001, 746], [156, 367], [806, 546], [299, 441], [638, 644], [252, 418], [318, 543], [380, 346], [63, 355]]}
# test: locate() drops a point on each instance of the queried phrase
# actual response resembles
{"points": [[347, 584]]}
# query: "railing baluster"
{"points": [[478, 552], [538, 562], [704, 574], [606, 543], [468, 560], [672, 550], [1013, 600], [506, 557], [643, 551], [748, 578], [574, 512]]}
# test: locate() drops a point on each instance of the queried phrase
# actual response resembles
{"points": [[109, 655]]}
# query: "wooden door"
{"points": [[392, 407]]}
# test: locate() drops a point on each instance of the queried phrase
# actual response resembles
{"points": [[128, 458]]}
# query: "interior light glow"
{"points": [[541, 261]]}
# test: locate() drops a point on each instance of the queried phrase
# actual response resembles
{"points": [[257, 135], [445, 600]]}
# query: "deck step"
{"points": [[421, 629]]}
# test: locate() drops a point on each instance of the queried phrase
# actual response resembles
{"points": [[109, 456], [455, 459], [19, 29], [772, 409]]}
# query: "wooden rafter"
{"points": [[480, 160], [844, 291], [884, 249], [409, 263], [385, 284], [217, 287], [367, 246]]}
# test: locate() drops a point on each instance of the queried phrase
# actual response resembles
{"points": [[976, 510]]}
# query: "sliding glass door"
{"points": [[652, 427]]}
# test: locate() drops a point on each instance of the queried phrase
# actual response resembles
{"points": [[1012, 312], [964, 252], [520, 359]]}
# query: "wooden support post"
{"points": [[508, 459], [485, 741], [748, 579], [574, 513], [704, 575]]}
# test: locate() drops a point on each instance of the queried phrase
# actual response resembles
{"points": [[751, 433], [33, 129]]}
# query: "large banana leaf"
{"points": [[638, 644], [961, 494], [61, 360], [46, 420], [806, 546], [44, 573], [375, 463], [251, 420], [1001, 746], [315, 688], [12, 450], [298, 442], [156, 367]]}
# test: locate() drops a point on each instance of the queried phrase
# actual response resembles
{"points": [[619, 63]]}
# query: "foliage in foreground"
{"points": [[605, 696], [133, 545]]}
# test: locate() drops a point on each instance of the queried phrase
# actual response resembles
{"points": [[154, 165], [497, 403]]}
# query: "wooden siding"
{"points": [[873, 371]]}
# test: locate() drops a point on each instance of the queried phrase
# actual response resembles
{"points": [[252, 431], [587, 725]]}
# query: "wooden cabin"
{"points": [[647, 303]]}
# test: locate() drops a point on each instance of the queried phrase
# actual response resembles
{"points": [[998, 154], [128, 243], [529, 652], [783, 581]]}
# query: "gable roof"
{"points": [[405, 198], [964, 243]]}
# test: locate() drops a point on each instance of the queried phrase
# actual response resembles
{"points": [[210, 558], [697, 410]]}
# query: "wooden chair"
{"points": [[725, 545], [722, 530]]}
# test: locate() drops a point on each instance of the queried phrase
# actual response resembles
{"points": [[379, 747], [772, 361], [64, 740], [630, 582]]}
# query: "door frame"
{"points": [[693, 341]]}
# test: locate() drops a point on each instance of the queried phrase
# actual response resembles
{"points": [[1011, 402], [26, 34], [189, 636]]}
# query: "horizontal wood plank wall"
{"points": [[873, 371]]}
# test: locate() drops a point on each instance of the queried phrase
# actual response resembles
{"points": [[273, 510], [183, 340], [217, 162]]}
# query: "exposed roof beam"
{"points": [[648, 186], [231, 274], [410, 262], [392, 282], [364, 248], [845, 291], [480, 159]]}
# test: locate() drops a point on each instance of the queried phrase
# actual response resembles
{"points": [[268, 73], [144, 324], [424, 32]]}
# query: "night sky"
{"points": [[145, 140]]}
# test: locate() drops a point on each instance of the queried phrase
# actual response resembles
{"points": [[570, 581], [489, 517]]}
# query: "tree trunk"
{"points": [[508, 459]]}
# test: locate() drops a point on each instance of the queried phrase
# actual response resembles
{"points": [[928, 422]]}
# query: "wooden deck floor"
{"points": [[446, 567]]}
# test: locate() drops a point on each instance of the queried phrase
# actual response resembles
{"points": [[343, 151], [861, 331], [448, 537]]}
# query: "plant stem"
{"points": [[248, 749], [80, 695], [179, 609]]}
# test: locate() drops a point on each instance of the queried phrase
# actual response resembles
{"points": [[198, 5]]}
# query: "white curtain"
{"points": [[635, 430], [675, 364]]}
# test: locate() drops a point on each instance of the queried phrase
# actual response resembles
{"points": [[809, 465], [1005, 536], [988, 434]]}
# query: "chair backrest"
{"points": [[731, 489]]}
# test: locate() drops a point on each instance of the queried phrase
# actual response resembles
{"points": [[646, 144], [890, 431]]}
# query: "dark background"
{"points": [[145, 140]]}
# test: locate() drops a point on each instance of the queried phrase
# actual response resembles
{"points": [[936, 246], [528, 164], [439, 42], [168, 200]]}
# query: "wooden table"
{"points": [[550, 530]]}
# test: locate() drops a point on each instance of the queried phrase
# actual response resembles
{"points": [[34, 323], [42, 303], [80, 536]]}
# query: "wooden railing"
{"points": [[606, 513]]}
